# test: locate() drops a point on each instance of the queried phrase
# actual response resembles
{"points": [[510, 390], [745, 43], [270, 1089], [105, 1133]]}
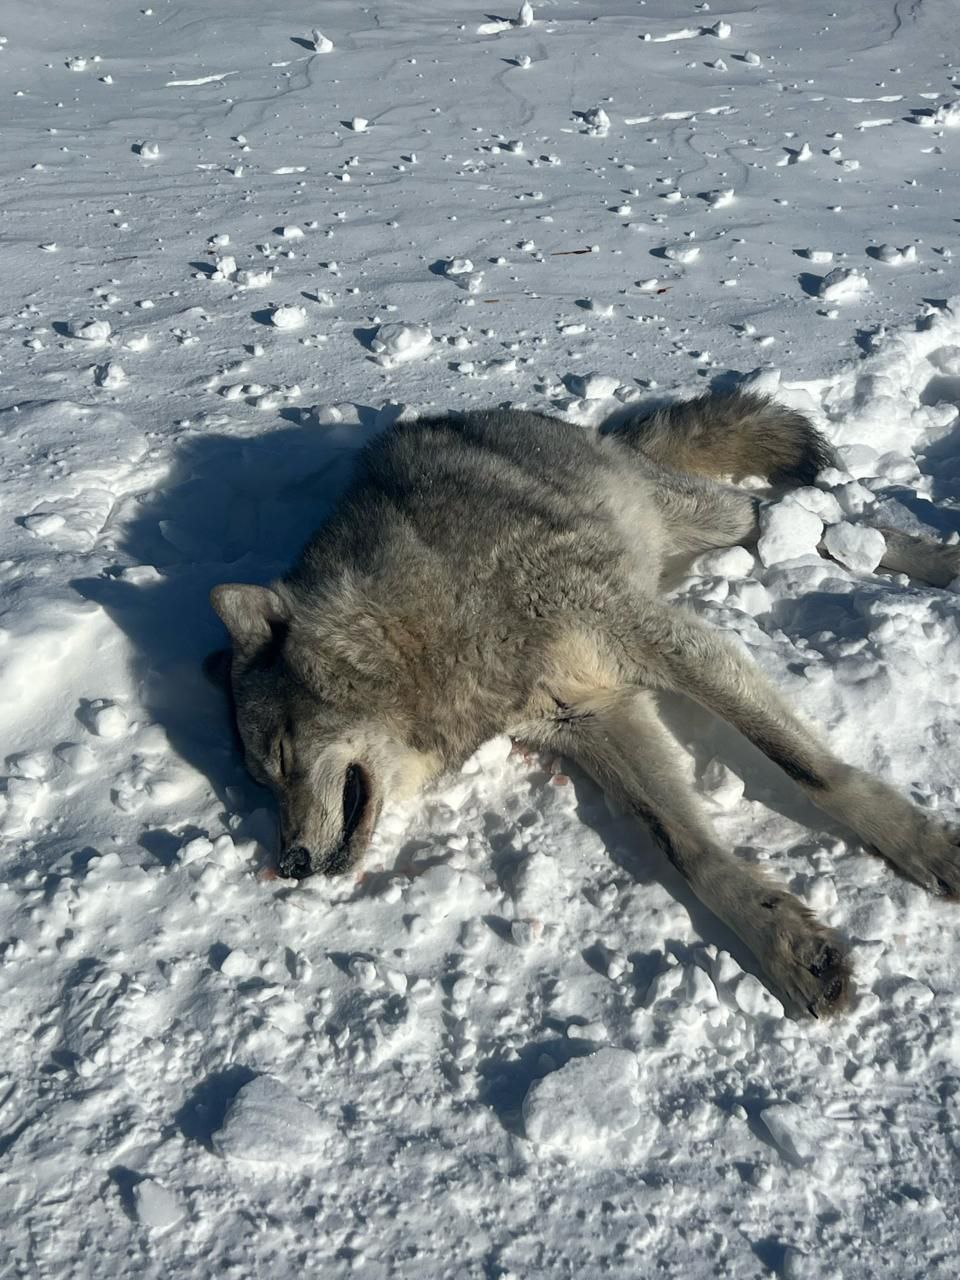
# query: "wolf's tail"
{"points": [[737, 434]]}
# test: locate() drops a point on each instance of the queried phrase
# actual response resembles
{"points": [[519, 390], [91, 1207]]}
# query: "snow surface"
{"points": [[509, 931]]}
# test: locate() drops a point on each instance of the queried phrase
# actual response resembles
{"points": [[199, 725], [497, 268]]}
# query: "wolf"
{"points": [[502, 572]]}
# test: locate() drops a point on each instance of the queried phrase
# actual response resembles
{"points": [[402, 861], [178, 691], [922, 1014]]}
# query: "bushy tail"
{"points": [[737, 434]]}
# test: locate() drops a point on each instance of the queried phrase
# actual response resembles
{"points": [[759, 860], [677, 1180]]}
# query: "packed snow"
{"points": [[512, 1045]]}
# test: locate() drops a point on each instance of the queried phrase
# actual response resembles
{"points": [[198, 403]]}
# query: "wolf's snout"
{"points": [[295, 864]]}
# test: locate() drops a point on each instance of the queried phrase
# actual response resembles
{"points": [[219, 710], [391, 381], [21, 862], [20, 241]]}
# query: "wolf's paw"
{"points": [[933, 859], [805, 959]]}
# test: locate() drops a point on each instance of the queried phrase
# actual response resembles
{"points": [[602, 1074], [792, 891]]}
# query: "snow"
{"points": [[511, 1044]]}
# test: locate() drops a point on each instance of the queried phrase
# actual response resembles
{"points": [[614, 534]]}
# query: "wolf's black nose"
{"points": [[296, 863]]}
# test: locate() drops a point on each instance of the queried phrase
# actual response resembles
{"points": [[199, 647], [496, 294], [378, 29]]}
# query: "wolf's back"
{"points": [[737, 434]]}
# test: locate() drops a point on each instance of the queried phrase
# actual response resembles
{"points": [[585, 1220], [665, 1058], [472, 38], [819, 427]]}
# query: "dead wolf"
{"points": [[501, 572]]}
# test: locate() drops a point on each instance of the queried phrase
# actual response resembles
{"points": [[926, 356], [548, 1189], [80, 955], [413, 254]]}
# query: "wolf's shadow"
{"points": [[233, 508]]}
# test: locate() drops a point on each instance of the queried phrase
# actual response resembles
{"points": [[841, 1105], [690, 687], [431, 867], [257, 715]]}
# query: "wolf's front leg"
{"points": [[618, 738]]}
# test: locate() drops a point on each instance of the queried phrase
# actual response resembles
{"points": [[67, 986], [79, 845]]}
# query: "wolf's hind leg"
{"points": [[618, 738], [921, 558], [678, 652]]}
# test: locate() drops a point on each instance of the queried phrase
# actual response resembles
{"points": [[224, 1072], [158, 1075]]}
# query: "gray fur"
{"points": [[501, 572]]}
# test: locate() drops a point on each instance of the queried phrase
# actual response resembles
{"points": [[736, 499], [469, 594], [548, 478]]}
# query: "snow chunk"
{"points": [[753, 998], [489, 755], [110, 376], [256, 278], [788, 530], [728, 562], [397, 343], [857, 546], [947, 115], [721, 785], [843, 284], [821, 256], [597, 122], [718, 199], [237, 964], [722, 30], [288, 316], [320, 42], [266, 1122], [90, 330], [592, 386], [682, 253], [457, 267], [579, 1108], [895, 257], [225, 267], [155, 1206], [800, 1132], [105, 719], [43, 523], [820, 502]]}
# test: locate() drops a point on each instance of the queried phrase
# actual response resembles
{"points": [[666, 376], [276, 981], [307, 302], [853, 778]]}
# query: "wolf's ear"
{"points": [[252, 615]]}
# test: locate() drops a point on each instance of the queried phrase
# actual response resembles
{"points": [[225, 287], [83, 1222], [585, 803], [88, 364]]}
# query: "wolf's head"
{"points": [[328, 748]]}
